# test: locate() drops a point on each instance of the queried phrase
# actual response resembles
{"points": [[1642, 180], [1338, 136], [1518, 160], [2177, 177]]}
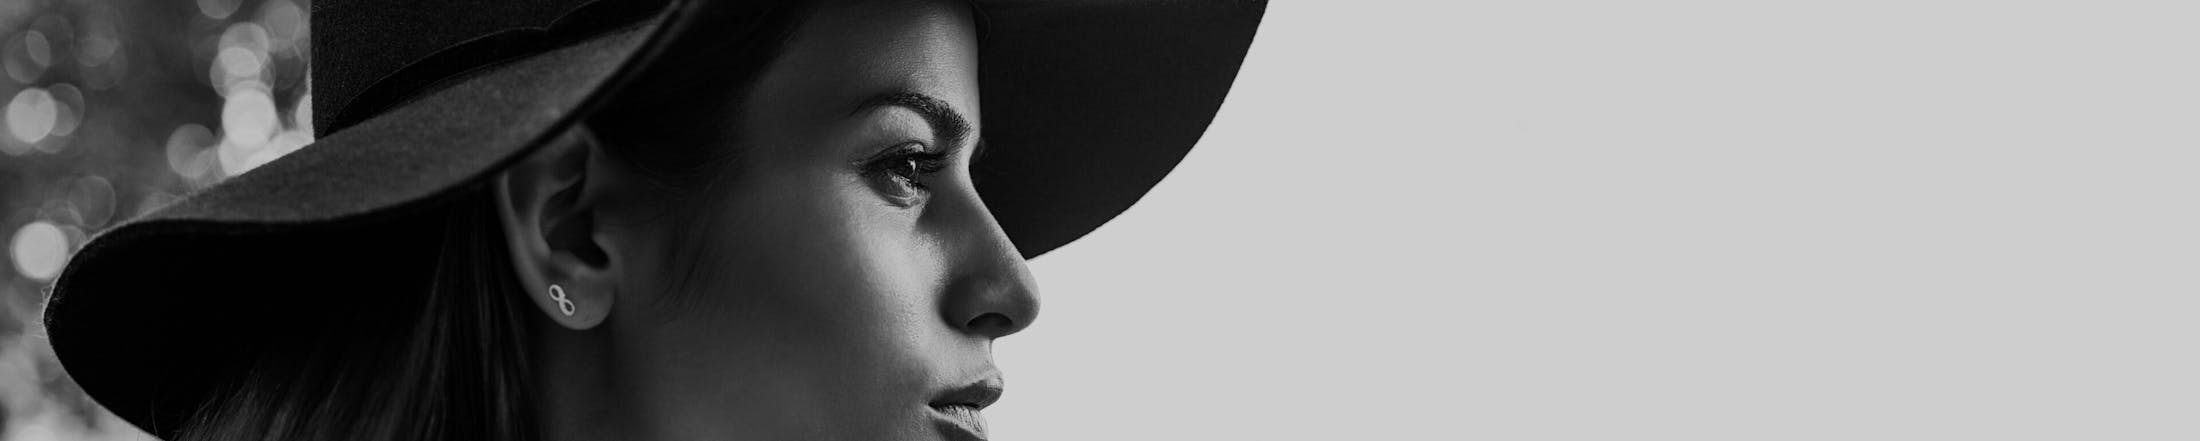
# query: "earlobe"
{"points": [[547, 208], [567, 311]]}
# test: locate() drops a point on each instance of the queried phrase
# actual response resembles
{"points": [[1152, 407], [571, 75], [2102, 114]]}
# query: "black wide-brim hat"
{"points": [[1088, 104]]}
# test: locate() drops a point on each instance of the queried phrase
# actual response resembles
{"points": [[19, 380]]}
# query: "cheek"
{"points": [[828, 257], [815, 296]]}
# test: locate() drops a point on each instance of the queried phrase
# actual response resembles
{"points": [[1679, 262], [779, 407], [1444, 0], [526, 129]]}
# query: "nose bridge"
{"points": [[991, 292]]}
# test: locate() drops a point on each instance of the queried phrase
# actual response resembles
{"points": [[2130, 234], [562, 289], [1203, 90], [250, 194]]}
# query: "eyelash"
{"points": [[907, 164]]}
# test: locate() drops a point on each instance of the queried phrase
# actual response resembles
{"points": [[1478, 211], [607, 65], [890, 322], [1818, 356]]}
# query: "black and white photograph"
{"points": [[971, 220]]}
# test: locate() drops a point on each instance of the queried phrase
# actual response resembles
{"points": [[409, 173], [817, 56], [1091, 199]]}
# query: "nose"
{"points": [[992, 293], [993, 306]]}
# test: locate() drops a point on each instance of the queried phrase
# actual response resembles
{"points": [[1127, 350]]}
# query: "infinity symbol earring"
{"points": [[557, 294]]}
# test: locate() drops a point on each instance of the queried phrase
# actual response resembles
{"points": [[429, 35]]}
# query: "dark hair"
{"points": [[446, 362], [450, 361], [671, 123], [682, 101]]}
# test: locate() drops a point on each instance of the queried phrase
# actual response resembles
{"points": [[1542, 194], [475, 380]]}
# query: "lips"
{"points": [[958, 408]]}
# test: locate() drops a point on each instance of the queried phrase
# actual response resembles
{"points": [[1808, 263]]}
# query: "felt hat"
{"points": [[1087, 105]]}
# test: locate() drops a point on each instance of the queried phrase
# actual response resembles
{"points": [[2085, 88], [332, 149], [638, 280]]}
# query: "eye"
{"points": [[899, 172]]}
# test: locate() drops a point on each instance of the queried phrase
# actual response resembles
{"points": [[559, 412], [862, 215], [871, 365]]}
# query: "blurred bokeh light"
{"points": [[111, 109], [39, 249]]}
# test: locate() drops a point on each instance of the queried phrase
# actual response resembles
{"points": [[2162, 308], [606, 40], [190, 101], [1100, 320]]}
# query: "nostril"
{"points": [[991, 324], [992, 304]]}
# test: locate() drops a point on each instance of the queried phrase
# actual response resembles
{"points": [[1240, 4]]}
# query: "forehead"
{"points": [[847, 51]]}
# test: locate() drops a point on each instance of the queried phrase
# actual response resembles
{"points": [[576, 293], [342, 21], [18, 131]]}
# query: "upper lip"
{"points": [[977, 394]]}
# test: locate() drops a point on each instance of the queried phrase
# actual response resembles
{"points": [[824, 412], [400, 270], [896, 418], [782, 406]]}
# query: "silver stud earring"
{"points": [[557, 294]]}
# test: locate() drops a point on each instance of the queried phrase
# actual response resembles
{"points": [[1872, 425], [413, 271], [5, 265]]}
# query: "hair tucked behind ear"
{"points": [[445, 363], [672, 123]]}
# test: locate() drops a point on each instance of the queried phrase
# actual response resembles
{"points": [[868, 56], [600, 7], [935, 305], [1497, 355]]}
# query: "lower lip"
{"points": [[960, 423]]}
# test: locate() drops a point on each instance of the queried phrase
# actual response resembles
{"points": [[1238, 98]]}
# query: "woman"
{"points": [[708, 220]]}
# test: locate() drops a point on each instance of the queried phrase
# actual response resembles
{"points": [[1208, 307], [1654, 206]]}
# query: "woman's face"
{"points": [[847, 282]]}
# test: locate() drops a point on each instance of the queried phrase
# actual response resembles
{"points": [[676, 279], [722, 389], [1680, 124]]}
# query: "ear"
{"points": [[549, 203]]}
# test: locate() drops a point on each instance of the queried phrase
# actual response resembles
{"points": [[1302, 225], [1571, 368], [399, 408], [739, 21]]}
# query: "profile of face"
{"points": [[845, 283]]}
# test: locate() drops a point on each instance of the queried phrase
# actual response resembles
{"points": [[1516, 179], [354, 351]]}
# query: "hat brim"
{"points": [[1087, 106], [143, 316]]}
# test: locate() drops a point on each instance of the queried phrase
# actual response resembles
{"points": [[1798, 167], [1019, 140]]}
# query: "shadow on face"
{"points": [[849, 281]]}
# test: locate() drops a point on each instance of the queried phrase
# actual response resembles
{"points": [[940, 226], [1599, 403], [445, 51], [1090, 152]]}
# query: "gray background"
{"points": [[1688, 220]]}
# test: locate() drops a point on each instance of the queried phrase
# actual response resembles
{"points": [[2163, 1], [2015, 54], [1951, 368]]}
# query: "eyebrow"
{"points": [[945, 121]]}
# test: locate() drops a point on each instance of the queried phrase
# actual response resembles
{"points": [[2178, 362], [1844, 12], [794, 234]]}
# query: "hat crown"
{"points": [[371, 54]]}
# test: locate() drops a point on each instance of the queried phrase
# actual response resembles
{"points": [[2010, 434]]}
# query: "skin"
{"points": [[828, 300]]}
